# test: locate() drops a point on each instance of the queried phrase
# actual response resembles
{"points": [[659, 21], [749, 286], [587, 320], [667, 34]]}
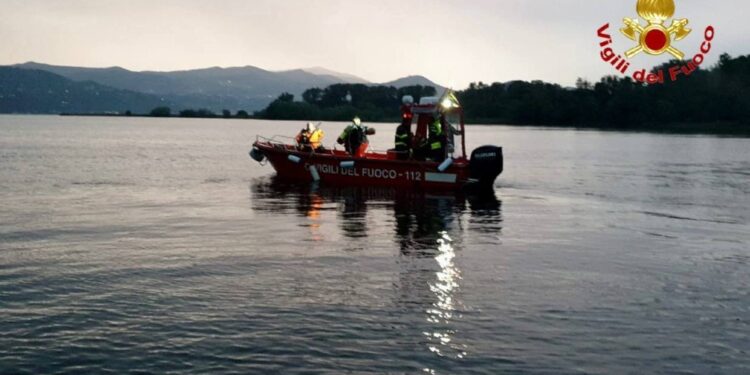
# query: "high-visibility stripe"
{"points": [[436, 128], [436, 145]]}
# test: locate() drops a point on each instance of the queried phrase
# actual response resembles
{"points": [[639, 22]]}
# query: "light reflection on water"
{"points": [[424, 230], [444, 288]]}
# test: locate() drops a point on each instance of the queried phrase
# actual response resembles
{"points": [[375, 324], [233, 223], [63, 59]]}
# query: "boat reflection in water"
{"points": [[428, 230]]}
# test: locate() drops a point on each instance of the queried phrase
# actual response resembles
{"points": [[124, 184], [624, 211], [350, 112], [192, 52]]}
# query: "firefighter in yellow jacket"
{"points": [[310, 138]]}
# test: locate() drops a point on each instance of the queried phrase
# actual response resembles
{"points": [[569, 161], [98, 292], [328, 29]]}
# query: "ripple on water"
{"points": [[157, 246]]}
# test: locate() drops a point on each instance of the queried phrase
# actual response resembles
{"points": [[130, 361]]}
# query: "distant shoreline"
{"points": [[147, 116], [719, 129], [219, 117]]}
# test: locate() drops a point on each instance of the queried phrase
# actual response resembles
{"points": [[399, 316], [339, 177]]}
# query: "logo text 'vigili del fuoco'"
{"points": [[654, 38]]}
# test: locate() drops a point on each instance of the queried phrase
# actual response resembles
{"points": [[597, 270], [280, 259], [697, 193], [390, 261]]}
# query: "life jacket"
{"points": [[316, 138]]}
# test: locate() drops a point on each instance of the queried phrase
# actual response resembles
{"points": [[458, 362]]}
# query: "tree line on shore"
{"points": [[716, 98], [197, 113], [341, 102]]}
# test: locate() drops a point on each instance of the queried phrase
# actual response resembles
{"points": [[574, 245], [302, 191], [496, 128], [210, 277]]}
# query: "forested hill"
{"points": [[717, 98], [37, 91]]}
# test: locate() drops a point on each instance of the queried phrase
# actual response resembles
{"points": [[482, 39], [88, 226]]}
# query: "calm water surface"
{"points": [[158, 246]]}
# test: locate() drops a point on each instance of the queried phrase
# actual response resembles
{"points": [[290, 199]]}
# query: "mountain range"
{"points": [[41, 88]]}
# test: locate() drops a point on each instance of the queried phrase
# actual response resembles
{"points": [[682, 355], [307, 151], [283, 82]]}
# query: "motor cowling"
{"points": [[485, 165]]}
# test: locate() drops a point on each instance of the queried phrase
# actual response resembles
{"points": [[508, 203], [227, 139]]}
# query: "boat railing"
{"points": [[276, 139], [290, 144]]}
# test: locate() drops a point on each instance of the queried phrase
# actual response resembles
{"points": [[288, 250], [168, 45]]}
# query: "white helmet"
{"points": [[357, 121], [311, 127]]}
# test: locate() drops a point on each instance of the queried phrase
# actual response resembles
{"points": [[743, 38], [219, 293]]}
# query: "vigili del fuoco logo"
{"points": [[654, 38]]}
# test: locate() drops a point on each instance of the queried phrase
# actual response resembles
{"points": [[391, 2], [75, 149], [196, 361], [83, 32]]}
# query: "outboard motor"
{"points": [[485, 165]]}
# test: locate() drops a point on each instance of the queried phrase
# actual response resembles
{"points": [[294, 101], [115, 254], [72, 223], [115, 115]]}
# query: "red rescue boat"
{"points": [[338, 167]]}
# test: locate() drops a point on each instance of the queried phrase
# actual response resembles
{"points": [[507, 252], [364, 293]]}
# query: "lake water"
{"points": [[158, 245]]}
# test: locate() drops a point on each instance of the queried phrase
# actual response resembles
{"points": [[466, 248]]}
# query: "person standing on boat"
{"points": [[403, 139], [310, 138], [436, 140], [354, 138]]}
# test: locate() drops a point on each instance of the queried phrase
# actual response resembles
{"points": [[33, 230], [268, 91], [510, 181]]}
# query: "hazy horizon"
{"points": [[450, 43]]}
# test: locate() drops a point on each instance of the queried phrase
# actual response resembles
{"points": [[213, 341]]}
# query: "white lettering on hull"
{"points": [[385, 174], [388, 174]]}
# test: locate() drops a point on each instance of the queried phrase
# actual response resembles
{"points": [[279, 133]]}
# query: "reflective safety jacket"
{"points": [[403, 138], [436, 137], [353, 137]]}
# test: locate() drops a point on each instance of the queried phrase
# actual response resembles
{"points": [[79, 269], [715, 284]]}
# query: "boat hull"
{"points": [[374, 169]]}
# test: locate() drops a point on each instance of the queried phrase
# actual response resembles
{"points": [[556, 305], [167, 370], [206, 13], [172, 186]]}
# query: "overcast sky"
{"points": [[450, 41]]}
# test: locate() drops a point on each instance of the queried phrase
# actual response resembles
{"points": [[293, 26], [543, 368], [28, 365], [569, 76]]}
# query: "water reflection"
{"points": [[420, 218], [353, 213], [428, 229], [444, 307]]}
